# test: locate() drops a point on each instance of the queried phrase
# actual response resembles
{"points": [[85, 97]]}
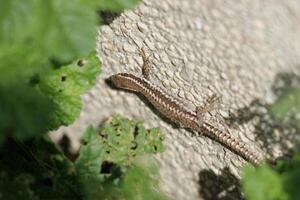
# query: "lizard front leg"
{"points": [[211, 104]]}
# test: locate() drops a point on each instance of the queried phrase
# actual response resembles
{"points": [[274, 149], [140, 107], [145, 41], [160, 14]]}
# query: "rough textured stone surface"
{"points": [[239, 50]]}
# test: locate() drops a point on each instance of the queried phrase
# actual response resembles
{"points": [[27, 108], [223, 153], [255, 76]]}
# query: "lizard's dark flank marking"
{"points": [[172, 109]]}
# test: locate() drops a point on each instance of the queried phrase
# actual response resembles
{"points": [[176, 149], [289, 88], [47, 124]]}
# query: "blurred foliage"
{"points": [[39, 88], [111, 5], [280, 182], [24, 112], [99, 172], [287, 107], [263, 184], [46, 102], [41, 83], [49, 30], [36, 36], [115, 164]]}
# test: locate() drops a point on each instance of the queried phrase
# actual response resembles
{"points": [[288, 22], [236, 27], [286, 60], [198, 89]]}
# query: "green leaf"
{"points": [[17, 188], [24, 112], [64, 30], [20, 62], [127, 169], [92, 176], [91, 154], [142, 180], [118, 139], [263, 184], [48, 174], [88, 164], [125, 139], [290, 175], [287, 107], [112, 5], [282, 181], [149, 141], [17, 21], [69, 30], [65, 85]]}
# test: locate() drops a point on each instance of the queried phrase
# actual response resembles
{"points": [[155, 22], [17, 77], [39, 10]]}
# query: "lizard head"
{"points": [[125, 81]]}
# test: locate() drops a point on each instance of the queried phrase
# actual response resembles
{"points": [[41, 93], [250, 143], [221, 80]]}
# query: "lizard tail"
{"points": [[230, 142]]}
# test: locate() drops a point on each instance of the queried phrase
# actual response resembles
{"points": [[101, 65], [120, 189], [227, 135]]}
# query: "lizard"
{"points": [[171, 108]]}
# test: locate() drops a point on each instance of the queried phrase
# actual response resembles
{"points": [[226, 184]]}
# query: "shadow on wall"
{"points": [[271, 134], [107, 17], [223, 187]]}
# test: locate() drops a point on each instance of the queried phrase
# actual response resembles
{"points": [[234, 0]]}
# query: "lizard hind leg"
{"points": [[146, 65], [211, 104]]}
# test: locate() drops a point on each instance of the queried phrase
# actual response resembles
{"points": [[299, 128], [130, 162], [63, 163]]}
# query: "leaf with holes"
{"points": [[125, 139], [113, 165], [65, 85]]}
